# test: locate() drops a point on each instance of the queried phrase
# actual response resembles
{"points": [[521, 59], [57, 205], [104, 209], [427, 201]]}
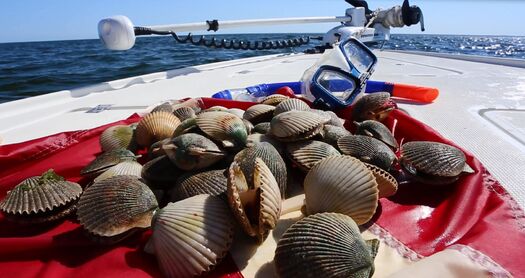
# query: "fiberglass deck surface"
{"points": [[481, 106]]}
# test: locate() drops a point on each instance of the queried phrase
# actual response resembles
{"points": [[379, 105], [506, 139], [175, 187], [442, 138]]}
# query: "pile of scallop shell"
{"points": [[208, 171]]}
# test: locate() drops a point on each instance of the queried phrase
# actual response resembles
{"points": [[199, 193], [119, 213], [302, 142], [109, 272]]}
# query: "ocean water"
{"points": [[35, 68]]}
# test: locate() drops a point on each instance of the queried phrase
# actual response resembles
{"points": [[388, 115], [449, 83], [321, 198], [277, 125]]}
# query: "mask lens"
{"points": [[337, 84], [358, 56]]}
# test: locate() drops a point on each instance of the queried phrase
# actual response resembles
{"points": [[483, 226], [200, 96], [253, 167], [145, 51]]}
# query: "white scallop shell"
{"points": [[293, 125], [155, 126], [259, 113], [341, 184], [274, 99], [221, 125], [289, 105], [116, 137], [191, 236]]}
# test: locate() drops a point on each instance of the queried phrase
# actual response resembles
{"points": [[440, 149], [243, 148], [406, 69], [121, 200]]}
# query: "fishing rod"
{"points": [[119, 33]]}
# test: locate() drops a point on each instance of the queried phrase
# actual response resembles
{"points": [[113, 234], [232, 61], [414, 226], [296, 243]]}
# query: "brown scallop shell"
{"points": [[184, 113], [40, 199], [160, 172], [377, 130], [386, 183], [256, 138], [257, 208], [155, 127], [271, 157], [296, 125], [333, 133], [128, 167], [164, 107], [341, 184], [262, 128], [192, 151], [368, 149], [117, 137], [223, 126], [433, 158], [306, 154], [274, 99], [259, 113], [190, 184], [116, 205], [191, 236], [290, 105], [106, 160], [376, 106]]}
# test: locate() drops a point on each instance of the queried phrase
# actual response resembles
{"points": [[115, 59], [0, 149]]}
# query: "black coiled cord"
{"points": [[227, 44]]}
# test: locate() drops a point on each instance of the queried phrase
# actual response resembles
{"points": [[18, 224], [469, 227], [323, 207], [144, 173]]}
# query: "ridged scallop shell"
{"points": [[296, 125], [106, 160], [223, 126], [325, 245], [367, 149], [333, 133], [377, 130], [40, 199], [249, 126], [289, 105], [124, 168], [433, 158], [386, 183], [192, 151], [272, 159], [116, 205], [190, 184], [274, 99], [184, 113], [236, 111], [164, 107], [117, 137], [262, 128], [160, 171], [376, 106], [155, 127], [256, 138], [307, 153], [216, 108], [191, 236], [257, 208], [259, 113], [341, 184]]}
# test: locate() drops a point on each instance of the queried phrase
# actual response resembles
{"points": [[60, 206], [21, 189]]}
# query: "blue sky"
{"points": [[32, 20]]}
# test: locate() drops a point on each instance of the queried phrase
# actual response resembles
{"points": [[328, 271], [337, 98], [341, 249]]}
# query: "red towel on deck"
{"points": [[475, 212]]}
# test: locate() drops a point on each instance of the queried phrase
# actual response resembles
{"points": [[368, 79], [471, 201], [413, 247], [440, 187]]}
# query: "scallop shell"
{"points": [[223, 126], [325, 245], [192, 151], [367, 149], [164, 107], [258, 138], [249, 126], [257, 208], [274, 99], [156, 126], [216, 108], [333, 133], [289, 105], [262, 128], [376, 106], [259, 113], [191, 236], [107, 160], [184, 113], [130, 167], [208, 182], [41, 199], [271, 157], [377, 130], [307, 153], [433, 158], [236, 111], [117, 137], [341, 184], [386, 183], [116, 205], [296, 125], [160, 171]]}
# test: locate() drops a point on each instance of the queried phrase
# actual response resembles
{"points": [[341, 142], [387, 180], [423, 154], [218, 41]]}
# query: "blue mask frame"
{"points": [[324, 93]]}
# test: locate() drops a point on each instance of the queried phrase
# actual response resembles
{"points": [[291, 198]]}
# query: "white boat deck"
{"points": [[481, 106]]}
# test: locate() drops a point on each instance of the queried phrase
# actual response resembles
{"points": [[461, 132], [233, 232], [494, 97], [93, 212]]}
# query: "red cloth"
{"points": [[476, 211]]}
